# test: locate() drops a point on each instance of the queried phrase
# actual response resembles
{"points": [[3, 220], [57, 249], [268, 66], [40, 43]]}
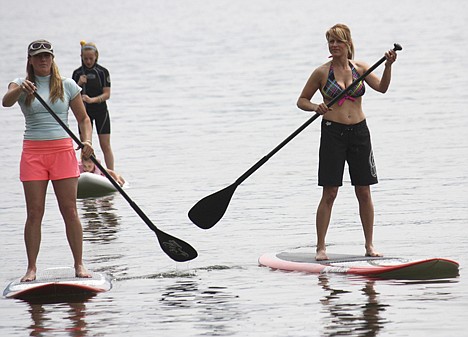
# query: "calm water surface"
{"points": [[201, 90]]}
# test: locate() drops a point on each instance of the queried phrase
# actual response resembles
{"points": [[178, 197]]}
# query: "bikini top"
{"points": [[332, 89]]}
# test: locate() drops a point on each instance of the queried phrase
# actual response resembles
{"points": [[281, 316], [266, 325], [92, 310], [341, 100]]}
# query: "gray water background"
{"points": [[201, 90]]}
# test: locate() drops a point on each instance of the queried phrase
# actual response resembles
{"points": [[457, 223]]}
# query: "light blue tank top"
{"points": [[40, 125]]}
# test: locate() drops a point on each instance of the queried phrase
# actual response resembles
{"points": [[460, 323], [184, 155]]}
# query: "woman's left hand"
{"points": [[391, 56], [86, 98], [87, 149]]}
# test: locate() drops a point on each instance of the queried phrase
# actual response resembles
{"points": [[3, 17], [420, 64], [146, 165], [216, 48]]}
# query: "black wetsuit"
{"points": [[98, 79]]}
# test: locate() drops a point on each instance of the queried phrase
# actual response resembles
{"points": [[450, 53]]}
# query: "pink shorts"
{"points": [[48, 160]]}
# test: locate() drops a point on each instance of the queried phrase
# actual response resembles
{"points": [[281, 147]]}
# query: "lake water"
{"points": [[201, 90]]}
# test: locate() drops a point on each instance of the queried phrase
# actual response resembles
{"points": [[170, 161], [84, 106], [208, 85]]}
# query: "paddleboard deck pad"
{"points": [[378, 267], [56, 284], [94, 185]]}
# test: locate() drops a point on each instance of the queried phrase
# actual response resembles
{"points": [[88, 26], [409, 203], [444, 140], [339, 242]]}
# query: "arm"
{"points": [[14, 92], [77, 106], [382, 84], [12, 95], [106, 91], [312, 86], [118, 178]]}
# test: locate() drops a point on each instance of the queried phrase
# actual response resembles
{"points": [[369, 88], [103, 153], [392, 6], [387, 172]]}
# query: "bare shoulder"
{"points": [[320, 72], [360, 66], [315, 81], [323, 69]]}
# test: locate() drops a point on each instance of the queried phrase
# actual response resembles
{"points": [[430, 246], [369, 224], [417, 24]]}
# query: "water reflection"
{"points": [[100, 220], [67, 319], [359, 319], [215, 305]]}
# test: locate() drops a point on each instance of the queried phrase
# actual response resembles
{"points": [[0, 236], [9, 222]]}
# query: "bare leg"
{"points": [[104, 142], [323, 216], [366, 212], [35, 193], [65, 190]]}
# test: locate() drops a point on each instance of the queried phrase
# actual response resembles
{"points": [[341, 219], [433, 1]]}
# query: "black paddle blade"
{"points": [[209, 210], [175, 248]]}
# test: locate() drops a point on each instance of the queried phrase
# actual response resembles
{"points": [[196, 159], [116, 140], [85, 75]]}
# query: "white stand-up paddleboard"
{"points": [[58, 284], [378, 267], [94, 185]]}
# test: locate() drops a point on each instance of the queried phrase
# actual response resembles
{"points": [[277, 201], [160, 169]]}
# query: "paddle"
{"points": [[175, 248], [209, 210]]}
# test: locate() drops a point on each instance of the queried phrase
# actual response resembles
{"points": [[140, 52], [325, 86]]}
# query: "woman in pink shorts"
{"points": [[48, 152]]}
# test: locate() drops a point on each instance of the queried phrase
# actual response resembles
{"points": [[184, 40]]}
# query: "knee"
{"points": [[104, 143], [69, 212], [106, 147], [329, 195], [34, 215], [363, 194]]}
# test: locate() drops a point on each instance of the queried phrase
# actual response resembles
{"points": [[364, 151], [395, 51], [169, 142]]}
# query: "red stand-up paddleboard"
{"points": [[378, 267], [57, 285]]}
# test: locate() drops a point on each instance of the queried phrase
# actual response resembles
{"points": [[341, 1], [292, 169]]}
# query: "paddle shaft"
{"points": [[168, 245], [83, 88], [262, 161], [81, 145]]}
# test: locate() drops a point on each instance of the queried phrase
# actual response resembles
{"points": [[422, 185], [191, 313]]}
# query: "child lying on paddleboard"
{"points": [[87, 165]]}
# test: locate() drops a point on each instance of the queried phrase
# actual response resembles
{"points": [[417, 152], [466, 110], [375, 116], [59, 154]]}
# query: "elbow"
{"points": [[300, 103], [383, 87], [383, 90]]}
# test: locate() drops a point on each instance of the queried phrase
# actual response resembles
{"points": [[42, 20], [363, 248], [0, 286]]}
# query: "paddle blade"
{"points": [[209, 210], [175, 248]]}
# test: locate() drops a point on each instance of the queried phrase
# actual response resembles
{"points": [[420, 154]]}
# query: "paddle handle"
{"points": [[262, 161]]}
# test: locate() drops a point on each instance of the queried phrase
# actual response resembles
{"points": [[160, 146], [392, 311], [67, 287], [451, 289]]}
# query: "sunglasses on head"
{"points": [[40, 45]]}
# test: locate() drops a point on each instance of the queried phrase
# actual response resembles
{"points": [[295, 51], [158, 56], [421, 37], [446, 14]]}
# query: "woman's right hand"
{"points": [[82, 80], [322, 109], [28, 87]]}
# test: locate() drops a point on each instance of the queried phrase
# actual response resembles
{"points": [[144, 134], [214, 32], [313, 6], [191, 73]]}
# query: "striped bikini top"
{"points": [[332, 89]]}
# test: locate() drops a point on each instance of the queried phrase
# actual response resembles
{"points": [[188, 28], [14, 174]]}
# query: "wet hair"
{"points": [[55, 83], [342, 33]]}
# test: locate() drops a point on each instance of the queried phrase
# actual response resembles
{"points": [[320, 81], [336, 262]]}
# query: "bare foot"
{"points": [[29, 276], [372, 253], [321, 255], [80, 271]]}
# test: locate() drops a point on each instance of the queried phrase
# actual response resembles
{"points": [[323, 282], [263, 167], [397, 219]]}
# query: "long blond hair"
{"points": [[55, 83], [341, 32]]}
